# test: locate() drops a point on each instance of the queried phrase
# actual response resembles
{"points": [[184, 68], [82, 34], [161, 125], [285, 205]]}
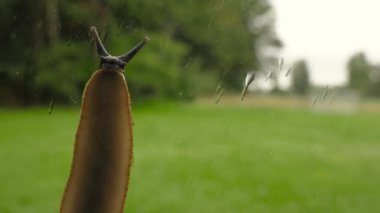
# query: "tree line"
{"points": [[46, 51], [363, 76]]}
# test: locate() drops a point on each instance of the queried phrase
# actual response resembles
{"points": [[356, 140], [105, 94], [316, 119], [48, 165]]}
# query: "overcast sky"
{"points": [[326, 33]]}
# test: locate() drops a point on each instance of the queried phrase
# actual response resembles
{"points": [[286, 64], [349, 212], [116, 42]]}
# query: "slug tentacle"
{"points": [[129, 55], [99, 46]]}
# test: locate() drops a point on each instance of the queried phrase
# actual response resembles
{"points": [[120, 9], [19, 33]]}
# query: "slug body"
{"points": [[102, 159]]}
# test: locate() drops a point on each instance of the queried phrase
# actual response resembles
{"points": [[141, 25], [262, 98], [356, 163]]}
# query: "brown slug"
{"points": [[100, 169]]}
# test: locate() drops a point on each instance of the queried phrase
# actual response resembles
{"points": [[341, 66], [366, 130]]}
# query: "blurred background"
{"points": [[300, 137]]}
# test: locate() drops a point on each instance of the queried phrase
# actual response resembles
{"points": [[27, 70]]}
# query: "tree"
{"points": [[374, 86], [358, 72], [300, 78]]}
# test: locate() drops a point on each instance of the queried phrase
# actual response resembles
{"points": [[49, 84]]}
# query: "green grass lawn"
{"points": [[197, 158]]}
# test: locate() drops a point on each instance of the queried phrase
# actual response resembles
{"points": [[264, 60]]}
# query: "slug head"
{"points": [[111, 63], [114, 63]]}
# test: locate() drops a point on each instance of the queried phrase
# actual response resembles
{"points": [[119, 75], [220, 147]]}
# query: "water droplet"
{"points": [[262, 191], [211, 22], [270, 153], [180, 94], [248, 80], [325, 92], [51, 105], [332, 96], [269, 75], [13, 36], [280, 63], [316, 98], [17, 73], [73, 100], [219, 96], [289, 70], [188, 181]]}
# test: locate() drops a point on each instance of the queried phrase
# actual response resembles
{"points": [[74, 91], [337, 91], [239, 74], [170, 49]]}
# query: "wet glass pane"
{"points": [[189, 106]]}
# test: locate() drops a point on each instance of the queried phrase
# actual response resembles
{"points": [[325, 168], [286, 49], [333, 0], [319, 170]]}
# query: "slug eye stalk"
{"points": [[109, 62]]}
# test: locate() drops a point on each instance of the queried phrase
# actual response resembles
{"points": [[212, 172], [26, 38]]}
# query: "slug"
{"points": [[100, 168]]}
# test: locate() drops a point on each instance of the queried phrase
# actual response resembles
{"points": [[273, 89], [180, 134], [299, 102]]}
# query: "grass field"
{"points": [[199, 158]]}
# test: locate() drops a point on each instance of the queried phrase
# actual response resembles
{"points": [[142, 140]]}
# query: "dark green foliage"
{"points": [[63, 70], [300, 78], [374, 86], [363, 76], [358, 72], [46, 52]]}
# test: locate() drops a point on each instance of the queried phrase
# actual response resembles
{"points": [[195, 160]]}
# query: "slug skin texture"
{"points": [[99, 176]]}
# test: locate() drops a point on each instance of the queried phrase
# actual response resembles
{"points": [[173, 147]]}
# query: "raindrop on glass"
{"points": [[13, 36], [73, 100], [248, 80], [316, 98], [219, 96], [325, 91], [289, 70], [280, 63]]}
